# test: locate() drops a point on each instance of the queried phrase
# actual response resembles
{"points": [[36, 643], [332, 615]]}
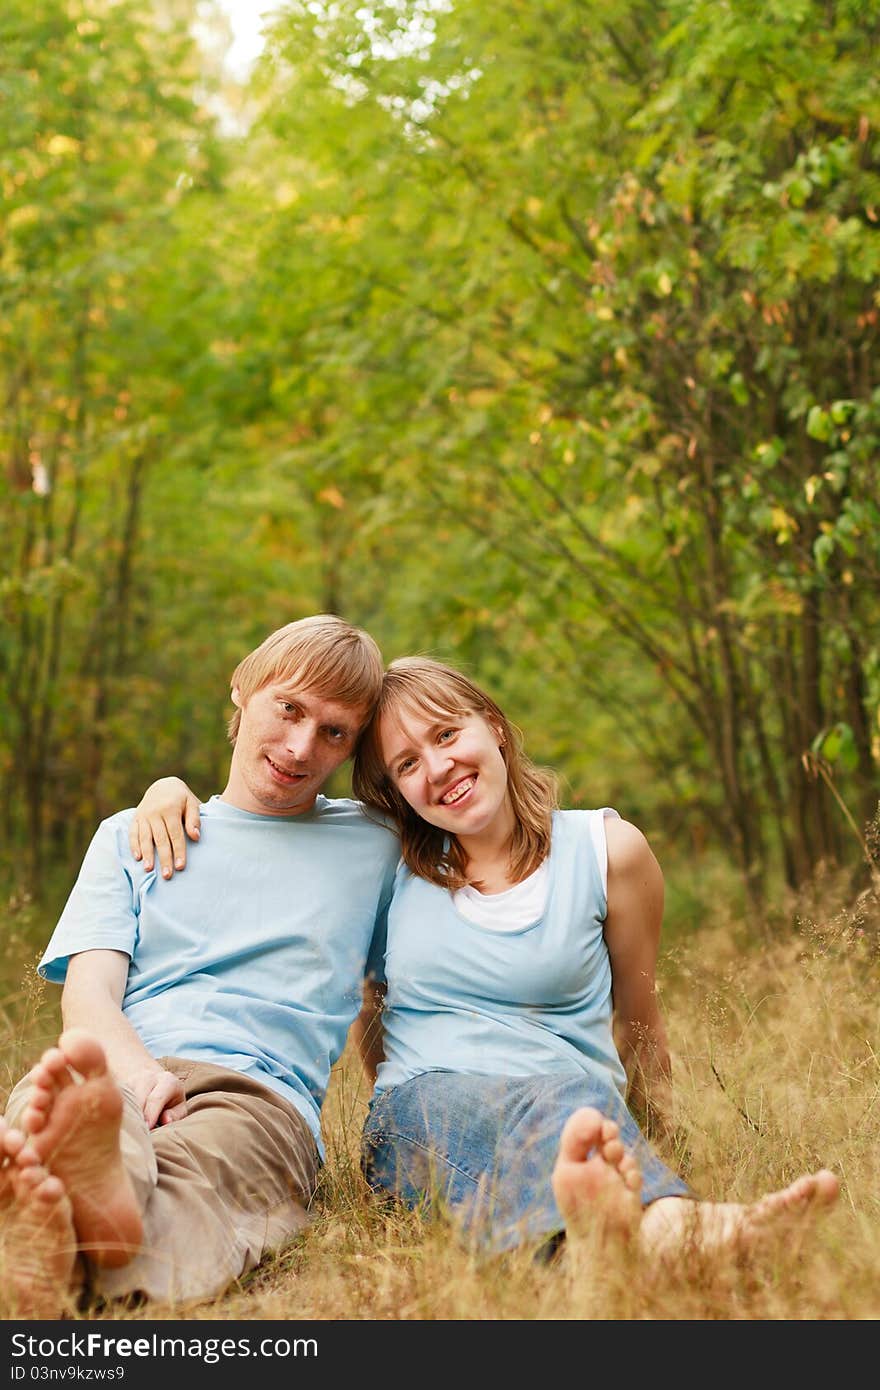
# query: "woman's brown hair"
{"points": [[418, 685]]}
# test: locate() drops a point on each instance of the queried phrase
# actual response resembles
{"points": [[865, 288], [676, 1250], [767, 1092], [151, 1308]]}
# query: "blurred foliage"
{"points": [[540, 336]]}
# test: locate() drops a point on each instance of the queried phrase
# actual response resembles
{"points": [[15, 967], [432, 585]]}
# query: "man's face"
{"points": [[289, 741]]}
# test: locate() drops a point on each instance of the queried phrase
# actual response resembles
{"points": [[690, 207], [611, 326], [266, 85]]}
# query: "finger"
{"points": [[145, 842], [166, 1093], [163, 845], [178, 843], [134, 839], [192, 817], [154, 1100], [139, 1091], [152, 1111], [154, 1104], [172, 1113]]}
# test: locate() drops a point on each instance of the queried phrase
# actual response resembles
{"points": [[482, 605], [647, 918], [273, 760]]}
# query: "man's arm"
{"points": [[92, 999], [632, 935]]}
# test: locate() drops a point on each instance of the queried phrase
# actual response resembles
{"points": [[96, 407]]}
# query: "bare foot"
{"points": [[674, 1224], [596, 1183], [37, 1239], [72, 1125]]}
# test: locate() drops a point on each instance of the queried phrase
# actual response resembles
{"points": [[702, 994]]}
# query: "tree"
{"points": [[608, 271]]}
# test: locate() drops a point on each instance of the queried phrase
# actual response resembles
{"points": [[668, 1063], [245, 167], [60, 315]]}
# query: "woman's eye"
{"points": [[447, 734]]}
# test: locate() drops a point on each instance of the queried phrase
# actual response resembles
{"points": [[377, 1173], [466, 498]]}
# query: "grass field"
{"points": [[775, 1047]]}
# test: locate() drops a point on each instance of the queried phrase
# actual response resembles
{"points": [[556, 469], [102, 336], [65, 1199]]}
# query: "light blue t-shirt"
{"points": [[462, 997], [252, 958]]}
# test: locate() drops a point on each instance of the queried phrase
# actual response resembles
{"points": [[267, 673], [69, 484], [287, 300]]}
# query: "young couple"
{"points": [[172, 1138]]}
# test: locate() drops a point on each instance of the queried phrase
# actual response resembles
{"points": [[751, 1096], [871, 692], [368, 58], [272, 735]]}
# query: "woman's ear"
{"points": [[236, 697]]}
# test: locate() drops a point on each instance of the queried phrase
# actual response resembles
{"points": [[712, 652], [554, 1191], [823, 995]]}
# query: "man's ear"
{"points": [[236, 697]]}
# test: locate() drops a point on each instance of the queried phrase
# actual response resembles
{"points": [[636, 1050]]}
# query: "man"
{"points": [[173, 1137]]}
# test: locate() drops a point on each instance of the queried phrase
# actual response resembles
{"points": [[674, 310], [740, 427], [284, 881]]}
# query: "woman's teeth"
{"points": [[457, 792]]}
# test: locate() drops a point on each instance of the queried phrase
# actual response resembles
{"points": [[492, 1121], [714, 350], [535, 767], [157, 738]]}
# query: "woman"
{"points": [[501, 1095]]}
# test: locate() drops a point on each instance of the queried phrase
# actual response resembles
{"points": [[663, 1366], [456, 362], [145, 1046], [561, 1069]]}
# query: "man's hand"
{"points": [[160, 1093], [166, 809]]}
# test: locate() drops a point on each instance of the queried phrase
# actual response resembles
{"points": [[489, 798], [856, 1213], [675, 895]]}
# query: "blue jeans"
{"points": [[481, 1149]]}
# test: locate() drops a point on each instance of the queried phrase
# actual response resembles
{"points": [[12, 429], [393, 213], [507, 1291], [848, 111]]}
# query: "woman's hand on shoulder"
{"points": [[166, 809]]}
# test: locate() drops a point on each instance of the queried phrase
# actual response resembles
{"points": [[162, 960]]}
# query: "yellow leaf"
{"points": [[333, 496], [783, 524], [62, 144], [20, 217]]}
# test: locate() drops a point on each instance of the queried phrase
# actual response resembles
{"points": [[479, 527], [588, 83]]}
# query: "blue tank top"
{"points": [[464, 998]]}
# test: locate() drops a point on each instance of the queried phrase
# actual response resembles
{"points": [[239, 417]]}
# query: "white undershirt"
{"points": [[524, 903]]}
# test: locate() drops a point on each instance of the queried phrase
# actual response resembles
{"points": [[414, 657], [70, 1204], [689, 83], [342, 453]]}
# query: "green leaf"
{"points": [[837, 745], [819, 423]]}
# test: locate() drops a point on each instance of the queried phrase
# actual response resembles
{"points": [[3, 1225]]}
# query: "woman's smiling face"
{"points": [[449, 768]]}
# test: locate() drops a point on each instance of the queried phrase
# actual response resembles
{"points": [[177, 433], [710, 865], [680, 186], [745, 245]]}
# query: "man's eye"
{"points": [[447, 734]]}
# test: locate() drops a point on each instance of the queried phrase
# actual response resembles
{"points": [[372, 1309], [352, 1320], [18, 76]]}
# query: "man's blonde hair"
{"points": [[323, 654], [417, 685]]}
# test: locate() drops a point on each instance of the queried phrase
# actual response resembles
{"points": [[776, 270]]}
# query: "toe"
{"points": [[13, 1143], [54, 1064], [581, 1133], [613, 1151], [630, 1171], [83, 1052], [827, 1185], [41, 1096], [50, 1190], [610, 1131], [30, 1178]]}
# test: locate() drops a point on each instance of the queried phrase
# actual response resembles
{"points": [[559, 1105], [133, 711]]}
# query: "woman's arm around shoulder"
{"points": [[167, 808]]}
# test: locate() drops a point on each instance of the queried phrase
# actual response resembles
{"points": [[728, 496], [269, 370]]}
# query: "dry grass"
{"points": [[776, 1072]]}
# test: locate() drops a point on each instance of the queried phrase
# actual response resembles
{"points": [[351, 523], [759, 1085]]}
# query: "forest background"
{"points": [[539, 335]]}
